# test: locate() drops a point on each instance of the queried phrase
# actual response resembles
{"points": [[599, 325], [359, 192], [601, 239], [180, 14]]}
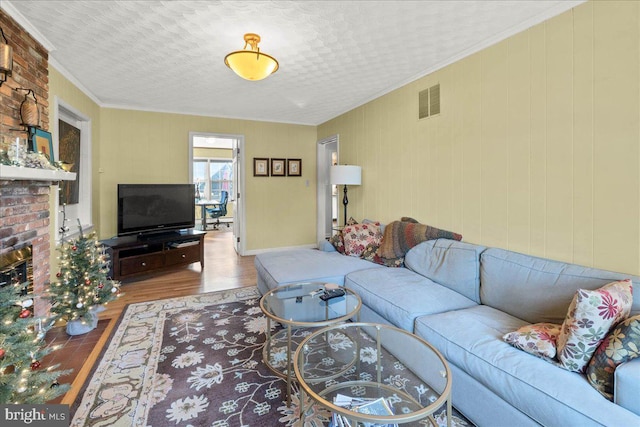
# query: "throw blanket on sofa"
{"points": [[400, 236]]}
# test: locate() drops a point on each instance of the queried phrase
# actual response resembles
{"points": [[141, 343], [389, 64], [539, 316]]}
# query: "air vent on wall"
{"points": [[429, 102]]}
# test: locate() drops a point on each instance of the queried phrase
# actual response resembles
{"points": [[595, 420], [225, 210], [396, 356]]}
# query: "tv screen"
{"points": [[147, 208]]}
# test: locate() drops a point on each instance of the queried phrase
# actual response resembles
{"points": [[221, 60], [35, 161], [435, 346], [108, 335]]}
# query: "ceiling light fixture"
{"points": [[250, 63], [6, 58]]}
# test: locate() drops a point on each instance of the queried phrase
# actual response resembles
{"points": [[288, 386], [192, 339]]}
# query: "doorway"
{"points": [[327, 155], [221, 156]]}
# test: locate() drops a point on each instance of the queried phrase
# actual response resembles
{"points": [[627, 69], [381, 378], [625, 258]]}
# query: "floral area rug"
{"points": [[194, 361]]}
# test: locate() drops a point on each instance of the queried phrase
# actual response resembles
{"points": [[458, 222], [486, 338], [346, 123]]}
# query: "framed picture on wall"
{"points": [[260, 167], [277, 167], [294, 167], [41, 142]]}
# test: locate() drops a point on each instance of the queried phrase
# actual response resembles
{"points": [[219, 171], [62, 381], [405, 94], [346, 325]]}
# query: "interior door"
{"points": [[327, 152], [234, 143], [236, 200]]}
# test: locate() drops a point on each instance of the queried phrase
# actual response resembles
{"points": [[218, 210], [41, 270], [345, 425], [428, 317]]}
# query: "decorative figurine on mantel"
{"points": [[81, 288], [13, 151]]}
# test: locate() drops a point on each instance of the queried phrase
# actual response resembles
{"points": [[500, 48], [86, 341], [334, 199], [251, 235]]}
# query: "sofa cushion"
{"points": [[471, 340], [538, 339], [538, 290], [621, 345], [450, 263], [305, 265], [400, 295], [589, 319]]}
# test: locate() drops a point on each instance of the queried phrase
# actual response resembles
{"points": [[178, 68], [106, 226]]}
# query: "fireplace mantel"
{"points": [[33, 174]]}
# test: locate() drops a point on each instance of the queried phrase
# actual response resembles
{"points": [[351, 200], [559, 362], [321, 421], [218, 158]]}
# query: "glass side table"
{"points": [[364, 362], [299, 307]]}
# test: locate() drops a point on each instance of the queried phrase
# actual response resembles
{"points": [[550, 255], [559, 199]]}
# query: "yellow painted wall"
{"points": [[142, 147], [537, 148]]}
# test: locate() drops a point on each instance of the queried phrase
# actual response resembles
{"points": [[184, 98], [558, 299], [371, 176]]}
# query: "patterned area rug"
{"points": [[193, 361]]}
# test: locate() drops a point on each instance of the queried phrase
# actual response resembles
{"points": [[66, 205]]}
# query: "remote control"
{"points": [[333, 293]]}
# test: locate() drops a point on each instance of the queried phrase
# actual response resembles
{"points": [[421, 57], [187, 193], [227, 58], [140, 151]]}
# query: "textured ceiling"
{"points": [[334, 55]]}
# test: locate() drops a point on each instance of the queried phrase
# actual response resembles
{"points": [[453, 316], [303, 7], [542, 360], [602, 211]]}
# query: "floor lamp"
{"points": [[345, 175]]}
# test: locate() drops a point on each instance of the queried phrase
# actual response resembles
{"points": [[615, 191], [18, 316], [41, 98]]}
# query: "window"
{"points": [[212, 176]]}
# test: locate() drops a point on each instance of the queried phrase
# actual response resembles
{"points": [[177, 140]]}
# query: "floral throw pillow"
{"points": [[338, 242], [371, 254], [358, 236], [589, 319], [538, 339], [621, 345], [351, 221]]}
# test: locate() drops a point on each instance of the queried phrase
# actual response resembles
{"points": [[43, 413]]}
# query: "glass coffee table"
{"points": [[373, 373], [299, 307]]}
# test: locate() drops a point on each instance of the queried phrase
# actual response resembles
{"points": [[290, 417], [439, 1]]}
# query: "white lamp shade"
{"points": [[345, 175]]}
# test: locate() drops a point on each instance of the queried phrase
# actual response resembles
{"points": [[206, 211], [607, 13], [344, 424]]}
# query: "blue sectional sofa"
{"points": [[463, 298]]}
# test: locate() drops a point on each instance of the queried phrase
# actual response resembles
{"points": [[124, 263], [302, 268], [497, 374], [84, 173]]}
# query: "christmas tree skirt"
{"points": [[193, 361], [83, 326]]}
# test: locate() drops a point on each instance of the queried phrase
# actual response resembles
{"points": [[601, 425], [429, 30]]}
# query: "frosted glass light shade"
{"points": [[250, 63], [6, 59], [345, 175]]}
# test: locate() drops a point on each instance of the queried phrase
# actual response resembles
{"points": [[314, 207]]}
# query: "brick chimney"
{"points": [[24, 203]]}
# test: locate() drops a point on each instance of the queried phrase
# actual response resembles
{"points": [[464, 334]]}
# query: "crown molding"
{"points": [[67, 75], [8, 7]]}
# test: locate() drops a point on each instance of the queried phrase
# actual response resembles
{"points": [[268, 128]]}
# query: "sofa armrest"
{"points": [[627, 385], [325, 246]]}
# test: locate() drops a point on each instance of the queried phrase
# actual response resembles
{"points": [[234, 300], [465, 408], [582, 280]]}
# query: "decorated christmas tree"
{"points": [[23, 378], [82, 287]]}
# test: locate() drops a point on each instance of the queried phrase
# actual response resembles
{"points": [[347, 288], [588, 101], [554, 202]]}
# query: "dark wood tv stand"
{"points": [[136, 255]]}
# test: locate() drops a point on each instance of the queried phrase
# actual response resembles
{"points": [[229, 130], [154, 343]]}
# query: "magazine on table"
{"points": [[372, 406]]}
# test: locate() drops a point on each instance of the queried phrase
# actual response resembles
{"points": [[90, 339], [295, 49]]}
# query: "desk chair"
{"points": [[218, 210]]}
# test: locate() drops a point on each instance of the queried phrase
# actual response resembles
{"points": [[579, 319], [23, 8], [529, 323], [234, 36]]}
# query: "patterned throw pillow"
{"points": [[621, 345], [338, 242], [589, 319], [538, 339], [371, 254], [358, 236]]}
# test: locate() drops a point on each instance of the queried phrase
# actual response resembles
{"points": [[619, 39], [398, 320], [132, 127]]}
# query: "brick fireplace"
{"points": [[24, 222], [24, 195]]}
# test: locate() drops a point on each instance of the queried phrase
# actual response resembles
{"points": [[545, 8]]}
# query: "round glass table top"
{"points": [[302, 304], [373, 373]]}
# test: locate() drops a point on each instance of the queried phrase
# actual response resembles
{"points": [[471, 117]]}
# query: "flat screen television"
{"points": [[151, 208]]}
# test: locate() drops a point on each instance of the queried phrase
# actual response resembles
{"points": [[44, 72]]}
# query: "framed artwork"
{"points": [[69, 156], [277, 167], [294, 167], [260, 167], [41, 142]]}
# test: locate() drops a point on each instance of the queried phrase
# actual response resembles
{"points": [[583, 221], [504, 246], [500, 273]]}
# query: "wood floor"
{"points": [[223, 269]]}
